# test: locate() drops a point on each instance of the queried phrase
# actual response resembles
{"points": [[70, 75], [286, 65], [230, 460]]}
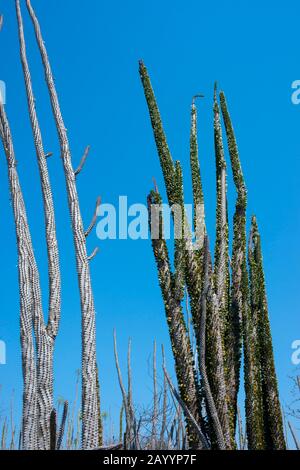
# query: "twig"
{"points": [[294, 435], [195, 97], [164, 410], [155, 404], [240, 429], [155, 185], [111, 447], [62, 425], [123, 391], [129, 396], [82, 161], [53, 425], [93, 254], [92, 224], [197, 428]]}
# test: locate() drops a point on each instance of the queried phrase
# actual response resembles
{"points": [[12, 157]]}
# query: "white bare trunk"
{"points": [[89, 387]]}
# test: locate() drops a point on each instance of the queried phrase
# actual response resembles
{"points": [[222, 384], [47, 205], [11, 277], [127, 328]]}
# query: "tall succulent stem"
{"points": [[221, 272], [192, 269], [273, 424], [46, 348], [212, 409], [90, 433], [181, 347], [239, 286], [198, 197], [28, 275]]}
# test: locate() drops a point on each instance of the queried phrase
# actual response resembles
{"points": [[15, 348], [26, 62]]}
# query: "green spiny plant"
{"points": [[226, 301], [272, 425]]}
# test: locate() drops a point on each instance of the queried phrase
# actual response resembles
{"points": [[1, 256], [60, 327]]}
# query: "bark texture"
{"points": [[90, 432]]}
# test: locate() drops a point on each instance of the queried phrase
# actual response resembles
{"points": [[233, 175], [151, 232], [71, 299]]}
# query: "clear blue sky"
{"points": [[251, 49]]}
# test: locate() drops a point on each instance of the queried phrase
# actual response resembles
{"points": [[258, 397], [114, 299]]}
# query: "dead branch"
{"points": [[93, 221], [294, 435], [82, 161], [90, 432], [93, 254], [198, 431]]}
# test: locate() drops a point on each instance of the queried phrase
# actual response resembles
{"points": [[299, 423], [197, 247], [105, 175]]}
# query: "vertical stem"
{"points": [[219, 304], [239, 287], [45, 357], [213, 412], [27, 270], [273, 425], [89, 386], [155, 400]]}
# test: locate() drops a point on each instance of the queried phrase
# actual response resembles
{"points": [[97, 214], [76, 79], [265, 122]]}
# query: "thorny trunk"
{"points": [[89, 387], [193, 270], [181, 347], [46, 336], [212, 408], [220, 304], [28, 279], [37, 369], [273, 425], [239, 287]]}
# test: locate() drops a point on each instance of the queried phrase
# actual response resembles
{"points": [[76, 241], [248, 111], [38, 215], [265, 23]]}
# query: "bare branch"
{"points": [[123, 391], [53, 426], [197, 428], [155, 185], [62, 426], [45, 343], [89, 389], [93, 254], [111, 447], [30, 305], [196, 96], [52, 248], [129, 375], [294, 435], [82, 161], [164, 410], [93, 221], [155, 401], [242, 437]]}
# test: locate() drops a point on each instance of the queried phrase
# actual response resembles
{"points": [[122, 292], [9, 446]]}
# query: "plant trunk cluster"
{"points": [[227, 297]]}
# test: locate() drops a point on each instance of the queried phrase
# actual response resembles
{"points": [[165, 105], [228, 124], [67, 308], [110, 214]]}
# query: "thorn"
{"points": [[155, 185], [92, 224], [82, 161], [93, 254], [196, 96], [215, 90]]}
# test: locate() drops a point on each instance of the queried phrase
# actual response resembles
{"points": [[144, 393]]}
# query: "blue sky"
{"points": [[251, 49]]}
